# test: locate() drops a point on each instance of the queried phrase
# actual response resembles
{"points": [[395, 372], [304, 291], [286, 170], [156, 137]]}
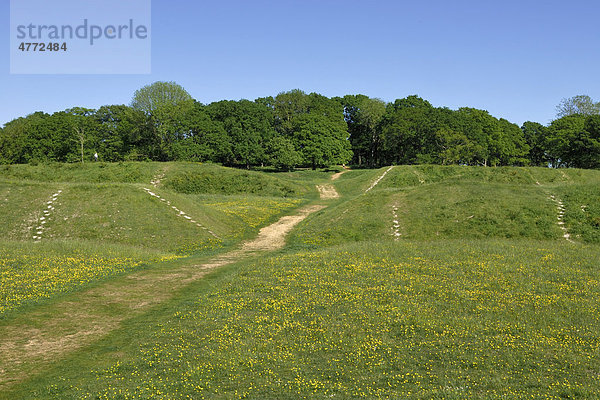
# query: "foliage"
{"points": [[574, 141], [296, 129], [363, 115], [157, 95], [315, 125], [536, 137], [581, 104], [415, 132], [282, 153], [249, 127]]}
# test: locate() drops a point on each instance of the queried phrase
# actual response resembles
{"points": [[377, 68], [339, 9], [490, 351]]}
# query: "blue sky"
{"points": [[516, 59]]}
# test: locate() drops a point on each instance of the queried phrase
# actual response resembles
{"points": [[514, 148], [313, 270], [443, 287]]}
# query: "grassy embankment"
{"points": [[98, 221], [479, 297]]}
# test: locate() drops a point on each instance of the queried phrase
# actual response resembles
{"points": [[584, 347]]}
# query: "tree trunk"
{"points": [[81, 136]]}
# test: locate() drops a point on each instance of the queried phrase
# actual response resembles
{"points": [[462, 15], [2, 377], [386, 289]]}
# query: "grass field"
{"points": [[119, 226], [475, 319], [33, 272], [438, 283]]}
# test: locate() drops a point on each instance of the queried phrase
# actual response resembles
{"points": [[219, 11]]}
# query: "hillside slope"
{"points": [[148, 205], [97, 220], [414, 282], [437, 202]]}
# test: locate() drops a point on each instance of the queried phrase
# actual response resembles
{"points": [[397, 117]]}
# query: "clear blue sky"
{"points": [[516, 59]]}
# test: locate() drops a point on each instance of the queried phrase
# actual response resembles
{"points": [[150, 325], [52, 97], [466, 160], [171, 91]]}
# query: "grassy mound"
{"points": [[124, 172], [437, 202], [196, 179], [189, 178], [107, 206], [439, 282]]}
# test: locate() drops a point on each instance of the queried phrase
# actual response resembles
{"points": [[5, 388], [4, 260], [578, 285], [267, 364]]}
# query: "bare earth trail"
{"points": [[327, 191], [27, 346], [156, 180], [338, 174]]}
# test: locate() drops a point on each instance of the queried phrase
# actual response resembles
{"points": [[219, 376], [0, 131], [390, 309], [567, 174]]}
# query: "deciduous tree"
{"points": [[157, 95], [581, 104]]}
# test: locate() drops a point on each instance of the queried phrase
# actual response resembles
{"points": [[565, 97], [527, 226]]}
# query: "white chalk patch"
{"points": [[379, 179], [179, 212], [396, 223]]}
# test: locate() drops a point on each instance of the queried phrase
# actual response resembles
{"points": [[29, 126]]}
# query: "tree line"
{"points": [[164, 123]]}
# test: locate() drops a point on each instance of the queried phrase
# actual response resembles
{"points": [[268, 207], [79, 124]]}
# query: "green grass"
{"points": [[177, 176], [471, 210], [454, 202], [33, 272], [125, 172], [410, 176], [245, 211], [361, 218], [21, 205], [105, 207], [192, 178], [355, 182], [414, 320], [112, 213], [480, 297], [582, 210], [124, 214]]}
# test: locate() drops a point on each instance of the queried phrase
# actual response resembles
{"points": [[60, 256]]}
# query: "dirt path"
{"points": [[51, 332], [156, 180], [337, 175], [327, 191]]}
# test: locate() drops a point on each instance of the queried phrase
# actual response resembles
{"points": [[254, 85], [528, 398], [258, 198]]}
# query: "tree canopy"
{"points": [[294, 128], [574, 141], [581, 104], [157, 95]]}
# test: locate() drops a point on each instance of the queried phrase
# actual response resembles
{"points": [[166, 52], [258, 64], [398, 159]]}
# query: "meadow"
{"points": [[32, 273], [479, 296], [103, 223], [416, 320]]}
